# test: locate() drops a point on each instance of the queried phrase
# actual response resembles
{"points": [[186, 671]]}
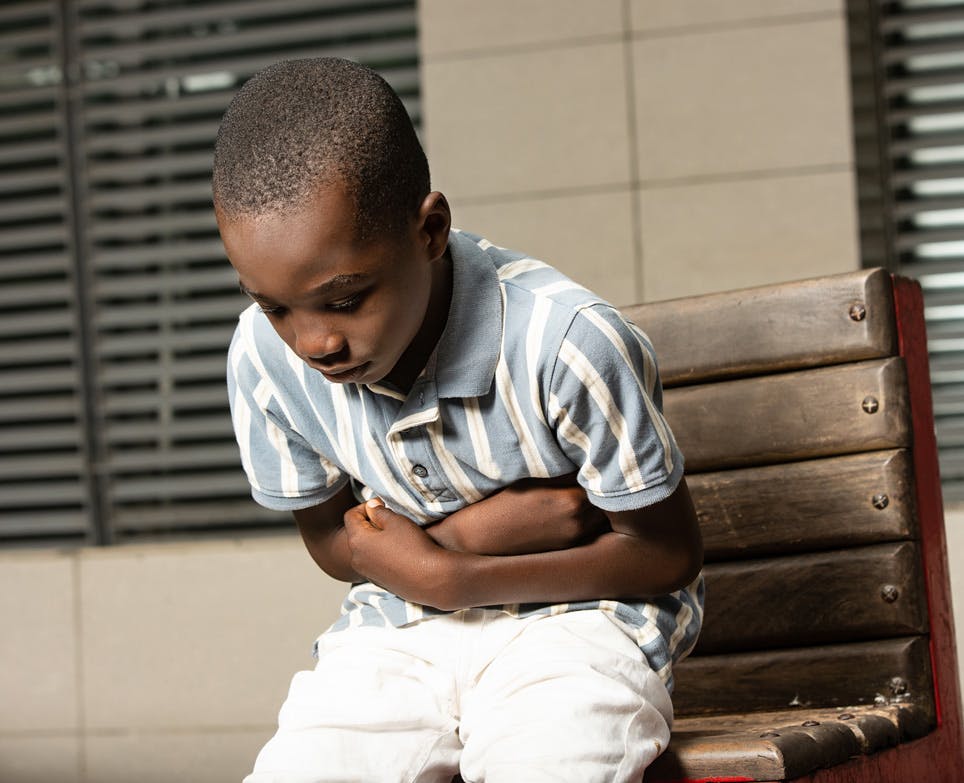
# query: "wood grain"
{"points": [[819, 598], [826, 676], [770, 328], [791, 416], [805, 506], [776, 745]]}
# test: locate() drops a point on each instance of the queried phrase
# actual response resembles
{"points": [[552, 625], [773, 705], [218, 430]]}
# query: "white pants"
{"points": [[496, 698]]}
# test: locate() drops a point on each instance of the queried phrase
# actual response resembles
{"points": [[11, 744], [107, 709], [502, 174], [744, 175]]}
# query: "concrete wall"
{"points": [[650, 148], [152, 663]]}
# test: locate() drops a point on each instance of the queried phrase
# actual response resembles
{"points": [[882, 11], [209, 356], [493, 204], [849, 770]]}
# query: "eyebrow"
{"points": [[331, 284]]}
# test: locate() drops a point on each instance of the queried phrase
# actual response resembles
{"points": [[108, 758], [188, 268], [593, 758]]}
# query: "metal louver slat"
{"points": [[922, 73], [157, 78], [117, 303], [43, 476]]}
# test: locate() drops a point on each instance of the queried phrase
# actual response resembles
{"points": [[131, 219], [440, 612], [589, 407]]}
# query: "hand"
{"points": [[534, 515], [393, 552]]}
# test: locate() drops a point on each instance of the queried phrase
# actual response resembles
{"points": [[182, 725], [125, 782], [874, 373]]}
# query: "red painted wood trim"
{"points": [[705, 780], [920, 761], [912, 346]]}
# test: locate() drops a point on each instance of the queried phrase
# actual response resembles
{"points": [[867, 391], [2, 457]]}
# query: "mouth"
{"points": [[346, 376]]}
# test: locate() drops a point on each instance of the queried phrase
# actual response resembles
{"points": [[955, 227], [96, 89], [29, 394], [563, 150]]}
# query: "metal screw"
{"points": [[769, 734], [898, 686], [858, 312], [880, 501], [889, 593], [845, 716], [870, 404], [809, 723]]}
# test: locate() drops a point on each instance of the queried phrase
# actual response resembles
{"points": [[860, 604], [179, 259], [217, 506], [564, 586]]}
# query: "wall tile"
{"points": [[158, 757], [587, 236], [742, 101], [199, 634], [647, 15], [49, 759], [954, 529], [715, 237], [38, 679], [453, 26], [530, 122]]}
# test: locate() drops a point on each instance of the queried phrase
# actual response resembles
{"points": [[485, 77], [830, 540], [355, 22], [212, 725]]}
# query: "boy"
{"points": [[420, 399]]}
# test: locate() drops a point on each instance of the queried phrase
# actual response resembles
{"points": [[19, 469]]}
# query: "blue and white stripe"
{"points": [[534, 376]]}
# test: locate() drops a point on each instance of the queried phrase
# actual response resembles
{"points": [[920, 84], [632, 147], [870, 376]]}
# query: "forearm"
{"points": [[534, 515], [615, 565], [323, 532], [333, 555]]}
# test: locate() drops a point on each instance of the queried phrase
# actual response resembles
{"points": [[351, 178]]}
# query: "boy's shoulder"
{"points": [[524, 279], [543, 310]]}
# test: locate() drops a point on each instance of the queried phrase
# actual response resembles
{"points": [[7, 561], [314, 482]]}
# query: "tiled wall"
{"points": [[152, 663], [649, 148]]}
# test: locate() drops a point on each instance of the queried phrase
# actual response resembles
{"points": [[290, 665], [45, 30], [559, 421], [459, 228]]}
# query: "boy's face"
{"points": [[350, 309]]}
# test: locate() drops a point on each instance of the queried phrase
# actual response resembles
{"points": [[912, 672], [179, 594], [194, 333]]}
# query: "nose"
{"points": [[317, 342]]}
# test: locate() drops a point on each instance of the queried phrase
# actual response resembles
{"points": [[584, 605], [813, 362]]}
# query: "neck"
{"points": [[413, 361]]}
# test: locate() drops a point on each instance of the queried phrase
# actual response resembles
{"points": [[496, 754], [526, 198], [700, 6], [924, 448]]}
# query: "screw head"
{"points": [[769, 734], [857, 311], [870, 404], [845, 716], [809, 723], [898, 686], [880, 501], [889, 593]]}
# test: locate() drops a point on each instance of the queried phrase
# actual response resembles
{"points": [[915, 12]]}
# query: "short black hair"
{"points": [[301, 124]]}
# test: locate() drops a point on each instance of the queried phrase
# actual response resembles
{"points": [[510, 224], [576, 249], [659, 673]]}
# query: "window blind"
{"points": [[125, 303], [921, 66]]}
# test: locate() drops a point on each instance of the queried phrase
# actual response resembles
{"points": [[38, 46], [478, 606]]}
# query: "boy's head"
{"points": [[301, 124], [322, 197]]}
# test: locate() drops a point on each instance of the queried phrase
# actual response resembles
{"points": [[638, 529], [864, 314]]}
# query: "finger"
{"points": [[357, 517]]}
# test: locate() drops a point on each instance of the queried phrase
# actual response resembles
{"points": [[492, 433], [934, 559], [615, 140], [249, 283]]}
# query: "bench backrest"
{"points": [[792, 404]]}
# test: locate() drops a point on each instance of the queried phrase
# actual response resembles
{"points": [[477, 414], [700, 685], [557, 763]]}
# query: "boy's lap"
{"points": [[499, 692]]}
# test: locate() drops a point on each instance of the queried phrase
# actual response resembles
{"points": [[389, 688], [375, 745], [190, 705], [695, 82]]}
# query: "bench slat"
{"points": [[805, 506], [779, 746], [770, 328], [830, 675], [798, 415], [819, 598]]}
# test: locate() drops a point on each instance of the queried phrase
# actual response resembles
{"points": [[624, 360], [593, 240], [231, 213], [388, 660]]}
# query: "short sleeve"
{"points": [[605, 402], [284, 471]]}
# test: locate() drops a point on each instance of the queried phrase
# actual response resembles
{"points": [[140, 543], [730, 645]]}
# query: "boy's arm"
{"points": [[530, 516], [650, 551], [322, 528]]}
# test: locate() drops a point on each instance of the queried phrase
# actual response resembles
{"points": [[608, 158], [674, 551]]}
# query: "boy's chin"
{"points": [[361, 373]]}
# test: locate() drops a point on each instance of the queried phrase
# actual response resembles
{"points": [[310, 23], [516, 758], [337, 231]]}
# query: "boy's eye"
{"points": [[348, 303], [269, 309]]}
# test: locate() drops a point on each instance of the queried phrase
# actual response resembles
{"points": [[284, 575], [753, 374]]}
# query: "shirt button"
{"points": [[420, 470]]}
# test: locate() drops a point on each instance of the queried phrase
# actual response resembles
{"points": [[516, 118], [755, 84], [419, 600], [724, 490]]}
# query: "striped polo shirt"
{"points": [[533, 376]]}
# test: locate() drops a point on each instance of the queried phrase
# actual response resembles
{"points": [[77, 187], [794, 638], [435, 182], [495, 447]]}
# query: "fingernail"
{"points": [[375, 503]]}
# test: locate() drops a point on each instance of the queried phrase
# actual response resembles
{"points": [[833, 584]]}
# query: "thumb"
{"points": [[379, 514]]}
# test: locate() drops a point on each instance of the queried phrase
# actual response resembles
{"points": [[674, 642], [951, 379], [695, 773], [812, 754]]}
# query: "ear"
{"points": [[433, 224]]}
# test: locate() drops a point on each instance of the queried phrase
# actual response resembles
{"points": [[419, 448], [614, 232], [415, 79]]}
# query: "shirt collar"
{"points": [[469, 348]]}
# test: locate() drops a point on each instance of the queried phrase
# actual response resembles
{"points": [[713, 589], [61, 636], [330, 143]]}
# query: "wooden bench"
{"points": [[827, 653]]}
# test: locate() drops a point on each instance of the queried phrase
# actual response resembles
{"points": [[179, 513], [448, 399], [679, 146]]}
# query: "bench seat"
{"points": [[827, 653], [777, 746]]}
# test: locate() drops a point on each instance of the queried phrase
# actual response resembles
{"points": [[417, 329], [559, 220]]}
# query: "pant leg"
{"points": [[570, 698], [376, 708]]}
